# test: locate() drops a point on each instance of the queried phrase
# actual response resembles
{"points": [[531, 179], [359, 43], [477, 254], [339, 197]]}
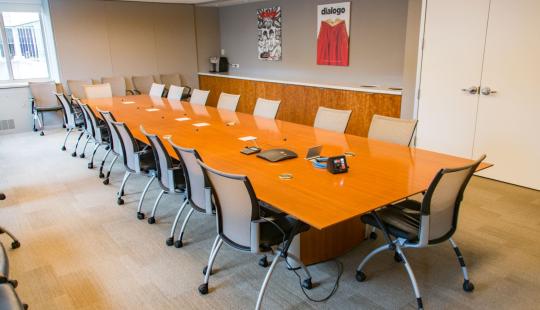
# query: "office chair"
{"points": [[175, 92], [8, 296], [391, 129], [415, 224], [175, 79], [266, 108], [115, 145], [76, 88], [332, 119], [246, 226], [156, 90], [15, 243], [73, 120], [43, 100], [169, 173], [138, 158], [100, 135], [118, 86], [97, 91], [228, 101], [143, 84], [198, 191], [199, 97]]}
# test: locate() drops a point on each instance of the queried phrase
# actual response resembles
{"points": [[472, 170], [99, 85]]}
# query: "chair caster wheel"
{"points": [[121, 193], [205, 269], [14, 283], [90, 166], [120, 201], [35, 130], [74, 154], [169, 241], [140, 215], [25, 306], [63, 148], [2, 196], [64, 126], [373, 235], [263, 262], [397, 257], [151, 220], [106, 182], [42, 133], [82, 155], [468, 286], [15, 244], [101, 175], [203, 289], [307, 284], [178, 244], [360, 276]]}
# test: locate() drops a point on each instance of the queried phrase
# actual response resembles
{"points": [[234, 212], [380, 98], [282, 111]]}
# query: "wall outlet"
{"points": [[235, 66]]}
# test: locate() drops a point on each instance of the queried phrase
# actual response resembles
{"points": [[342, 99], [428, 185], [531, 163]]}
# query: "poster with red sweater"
{"points": [[333, 24]]}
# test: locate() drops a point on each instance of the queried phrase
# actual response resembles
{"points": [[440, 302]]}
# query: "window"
{"points": [[22, 41]]}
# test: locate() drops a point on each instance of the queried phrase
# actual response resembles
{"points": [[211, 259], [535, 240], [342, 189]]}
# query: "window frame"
{"points": [[7, 54]]}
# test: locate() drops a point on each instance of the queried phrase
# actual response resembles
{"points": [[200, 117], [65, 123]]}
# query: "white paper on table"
{"points": [[201, 124], [152, 110], [247, 138], [128, 102], [182, 119]]}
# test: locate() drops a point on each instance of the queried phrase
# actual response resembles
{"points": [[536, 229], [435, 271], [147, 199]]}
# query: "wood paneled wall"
{"points": [[299, 104]]}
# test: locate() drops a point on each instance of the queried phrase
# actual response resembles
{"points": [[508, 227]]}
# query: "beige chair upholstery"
{"points": [[175, 92], [266, 108], [393, 130], [171, 79], [199, 97], [156, 90], [98, 91], [228, 101], [331, 119], [43, 94], [76, 87], [118, 85], [143, 83]]}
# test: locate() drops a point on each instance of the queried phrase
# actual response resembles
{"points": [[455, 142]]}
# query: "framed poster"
{"points": [[333, 24], [269, 33]]}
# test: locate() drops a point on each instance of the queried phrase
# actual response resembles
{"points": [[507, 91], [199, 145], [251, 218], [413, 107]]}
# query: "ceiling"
{"points": [[215, 3]]}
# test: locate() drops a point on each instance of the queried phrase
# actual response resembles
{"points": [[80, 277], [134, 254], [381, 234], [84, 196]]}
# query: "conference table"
{"points": [[379, 173]]}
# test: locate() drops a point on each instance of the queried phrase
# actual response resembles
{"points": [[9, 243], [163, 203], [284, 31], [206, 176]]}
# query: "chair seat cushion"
{"points": [[271, 235], [400, 222], [104, 132], [48, 109], [8, 298], [147, 162], [4, 263]]}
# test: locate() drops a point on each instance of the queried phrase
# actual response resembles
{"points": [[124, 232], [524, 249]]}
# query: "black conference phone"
{"points": [[275, 155], [337, 164]]}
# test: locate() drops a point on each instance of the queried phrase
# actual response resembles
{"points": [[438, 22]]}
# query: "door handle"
{"points": [[473, 90], [486, 91]]}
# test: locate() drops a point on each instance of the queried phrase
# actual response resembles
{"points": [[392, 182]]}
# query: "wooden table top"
{"points": [[379, 174]]}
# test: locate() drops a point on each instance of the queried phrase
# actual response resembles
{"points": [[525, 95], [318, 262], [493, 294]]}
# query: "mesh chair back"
{"points": [[163, 161], [197, 188], [88, 124], [175, 92], [266, 108], [236, 206], [156, 90], [98, 91], [118, 85], [199, 96], [43, 93], [228, 101], [91, 116], [171, 79], [69, 114], [77, 87], [443, 198], [143, 83], [391, 129], [114, 139], [332, 119], [129, 147]]}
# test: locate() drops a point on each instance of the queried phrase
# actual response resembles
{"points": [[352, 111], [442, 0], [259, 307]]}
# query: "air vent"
{"points": [[7, 124]]}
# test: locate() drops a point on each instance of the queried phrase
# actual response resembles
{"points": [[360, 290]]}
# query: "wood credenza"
{"points": [[299, 103]]}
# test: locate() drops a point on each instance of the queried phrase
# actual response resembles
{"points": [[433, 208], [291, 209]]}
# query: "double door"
{"points": [[480, 83]]}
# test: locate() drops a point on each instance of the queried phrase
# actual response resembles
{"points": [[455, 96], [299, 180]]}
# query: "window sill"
{"points": [[13, 85]]}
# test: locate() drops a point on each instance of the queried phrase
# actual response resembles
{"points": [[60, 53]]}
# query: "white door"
{"points": [[508, 123], [454, 40]]}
